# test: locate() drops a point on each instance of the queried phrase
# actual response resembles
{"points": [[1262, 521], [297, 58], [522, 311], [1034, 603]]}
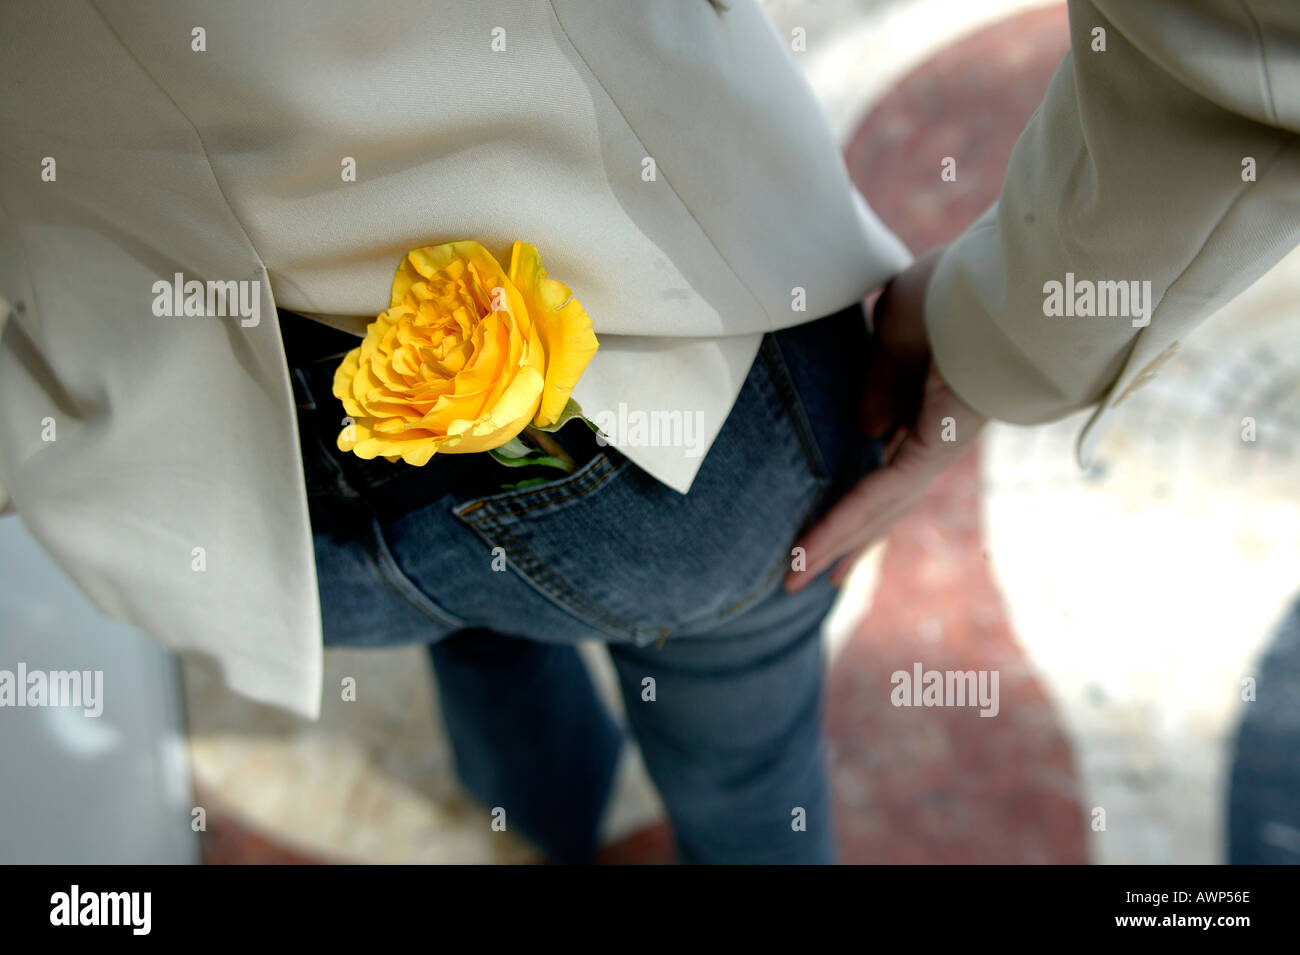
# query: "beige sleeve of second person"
{"points": [[1131, 169]]}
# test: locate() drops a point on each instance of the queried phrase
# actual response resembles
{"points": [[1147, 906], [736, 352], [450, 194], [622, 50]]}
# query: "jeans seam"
{"points": [[780, 374], [402, 585]]}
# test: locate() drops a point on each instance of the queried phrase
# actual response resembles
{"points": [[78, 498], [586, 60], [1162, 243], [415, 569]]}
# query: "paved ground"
{"points": [[1122, 607]]}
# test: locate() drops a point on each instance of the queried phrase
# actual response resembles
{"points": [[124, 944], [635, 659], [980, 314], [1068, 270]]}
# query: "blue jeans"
{"points": [[721, 670]]}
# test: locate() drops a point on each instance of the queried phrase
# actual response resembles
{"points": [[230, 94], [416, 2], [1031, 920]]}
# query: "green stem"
{"points": [[551, 447]]}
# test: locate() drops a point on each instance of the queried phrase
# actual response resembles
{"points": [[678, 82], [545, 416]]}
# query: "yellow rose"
{"points": [[465, 357]]}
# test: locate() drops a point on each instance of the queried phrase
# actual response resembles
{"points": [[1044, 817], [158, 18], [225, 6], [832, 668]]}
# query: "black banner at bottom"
{"points": [[344, 903]]}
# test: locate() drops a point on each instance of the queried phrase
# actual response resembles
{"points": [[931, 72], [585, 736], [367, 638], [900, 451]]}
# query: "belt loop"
{"points": [[302, 390]]}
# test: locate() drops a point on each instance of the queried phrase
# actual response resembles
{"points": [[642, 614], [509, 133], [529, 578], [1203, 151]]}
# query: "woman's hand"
{"points": [[907, 402]]}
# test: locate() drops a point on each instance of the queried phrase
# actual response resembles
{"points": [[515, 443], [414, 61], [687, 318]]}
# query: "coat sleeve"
{"points": [[1165, 151]]}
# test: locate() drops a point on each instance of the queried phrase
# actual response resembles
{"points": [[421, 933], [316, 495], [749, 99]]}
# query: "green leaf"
{"points": [[514, 448], [571, 410], [532, 459]]}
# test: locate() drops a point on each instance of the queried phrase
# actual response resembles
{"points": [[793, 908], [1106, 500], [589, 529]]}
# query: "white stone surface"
{"points": [[1145, 591]]}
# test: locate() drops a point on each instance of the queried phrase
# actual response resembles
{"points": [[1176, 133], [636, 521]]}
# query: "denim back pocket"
{"points": [[635, 559]]}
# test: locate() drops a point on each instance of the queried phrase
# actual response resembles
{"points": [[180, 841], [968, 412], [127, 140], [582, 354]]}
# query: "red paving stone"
{"points": [[944, 785], [917, 785], [652, 845], [970, 101]]}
